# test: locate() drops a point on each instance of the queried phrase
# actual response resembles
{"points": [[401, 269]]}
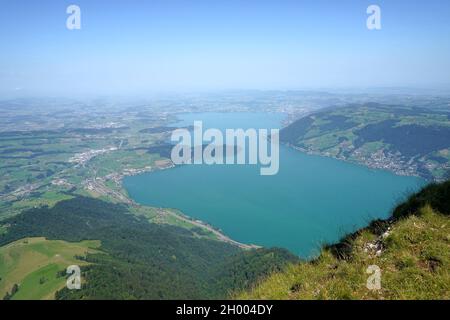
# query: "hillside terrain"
{"points": [[405, 140], [36, 263], [133, 258], [411, 251], [62, 201]]}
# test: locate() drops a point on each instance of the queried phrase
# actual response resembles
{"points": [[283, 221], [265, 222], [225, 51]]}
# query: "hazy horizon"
{"points": [[136, 47]]}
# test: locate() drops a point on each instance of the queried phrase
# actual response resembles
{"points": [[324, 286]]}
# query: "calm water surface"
{"points": [[311, 201]]}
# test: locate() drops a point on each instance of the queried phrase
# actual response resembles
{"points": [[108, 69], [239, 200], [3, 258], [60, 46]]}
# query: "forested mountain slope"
{"points": [[405, 140], [139, 259]]}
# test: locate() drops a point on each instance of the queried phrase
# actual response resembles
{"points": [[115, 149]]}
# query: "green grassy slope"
{"points": [[34, 263], [405, 140], [412, 251], [144, 260]]}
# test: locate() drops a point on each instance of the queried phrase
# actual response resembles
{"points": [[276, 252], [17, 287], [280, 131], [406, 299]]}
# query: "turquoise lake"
{"points": [[312, 201]]}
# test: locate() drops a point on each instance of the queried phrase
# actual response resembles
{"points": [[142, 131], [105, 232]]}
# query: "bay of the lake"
{"points": [[312, 201]]}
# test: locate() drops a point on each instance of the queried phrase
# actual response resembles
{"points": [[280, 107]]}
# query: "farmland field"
{"points": [[34, 264]]}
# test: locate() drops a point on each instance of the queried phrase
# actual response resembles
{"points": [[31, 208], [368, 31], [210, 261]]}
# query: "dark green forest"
{"points": [[142, 260]]}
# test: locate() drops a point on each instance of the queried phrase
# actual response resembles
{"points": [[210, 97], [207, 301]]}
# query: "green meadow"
{"points": [[34, 263]]}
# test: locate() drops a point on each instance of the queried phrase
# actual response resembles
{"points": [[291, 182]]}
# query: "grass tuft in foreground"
{"points": [[412, 252]]}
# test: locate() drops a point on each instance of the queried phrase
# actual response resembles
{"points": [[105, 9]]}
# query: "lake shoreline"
{"points": [[181, 216], [286, 210]]}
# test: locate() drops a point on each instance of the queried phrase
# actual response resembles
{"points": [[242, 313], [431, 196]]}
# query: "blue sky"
{"points": [[132, 46]]}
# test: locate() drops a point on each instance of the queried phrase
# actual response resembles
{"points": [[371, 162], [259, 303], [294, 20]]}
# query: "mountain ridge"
{"points": [[410, 250]]}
